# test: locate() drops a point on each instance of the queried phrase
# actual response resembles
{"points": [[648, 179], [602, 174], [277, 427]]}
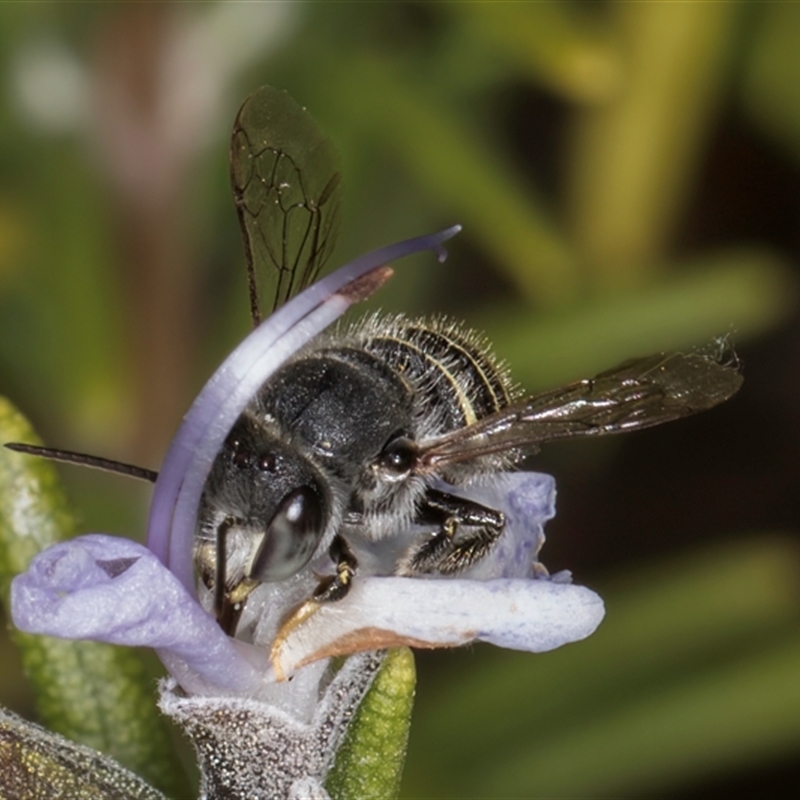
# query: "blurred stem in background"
{"points": [[156, 110], [635, 157], [149, 143]]}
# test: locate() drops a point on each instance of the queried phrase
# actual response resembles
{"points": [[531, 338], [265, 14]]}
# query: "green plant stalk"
{"points": [[633, 158], [556, 44], [92, 693], [370, 761]]}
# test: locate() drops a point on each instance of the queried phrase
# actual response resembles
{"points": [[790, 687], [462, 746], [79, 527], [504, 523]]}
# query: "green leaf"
{"points": [[35, 763], [96, 694], [634, 161], [770, 89], [718, 719], [370, 761]]}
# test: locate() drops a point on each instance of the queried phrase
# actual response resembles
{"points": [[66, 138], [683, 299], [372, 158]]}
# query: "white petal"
{"points": [[532, 615]]}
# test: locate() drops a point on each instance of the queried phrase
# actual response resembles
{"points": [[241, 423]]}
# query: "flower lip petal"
{"points": [[177, 493], [115, 590], [532, 615]]}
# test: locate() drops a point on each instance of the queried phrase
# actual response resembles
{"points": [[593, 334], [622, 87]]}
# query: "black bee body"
{"points": [[326, 452]]}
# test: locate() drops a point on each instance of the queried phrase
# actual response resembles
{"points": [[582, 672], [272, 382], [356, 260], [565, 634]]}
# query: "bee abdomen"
{"points": [[456, 378]]}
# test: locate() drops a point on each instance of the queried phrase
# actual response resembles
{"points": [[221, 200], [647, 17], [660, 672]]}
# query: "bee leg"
{"points": [[442, 552], [228, 618], [228, 603], [335, 587], [222, 606]]}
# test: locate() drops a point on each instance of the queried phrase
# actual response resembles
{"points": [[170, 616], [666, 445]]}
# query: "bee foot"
{"points": [[425, 558], [330, 589], [442, 555]]}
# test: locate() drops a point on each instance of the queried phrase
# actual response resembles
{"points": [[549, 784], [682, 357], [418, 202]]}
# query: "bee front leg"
{"points": [[335, 587], [329, 589], [443, 552], [228, 600]]}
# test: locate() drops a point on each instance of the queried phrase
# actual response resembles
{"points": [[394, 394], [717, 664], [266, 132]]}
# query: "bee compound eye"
{"points": [[399, 456], [291, 538]]}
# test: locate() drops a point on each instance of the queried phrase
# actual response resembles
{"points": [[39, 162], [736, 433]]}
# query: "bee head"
{"points": [[265, 503]]}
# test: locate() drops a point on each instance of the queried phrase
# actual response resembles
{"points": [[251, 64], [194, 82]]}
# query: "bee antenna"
{"points": [[94, 462]]}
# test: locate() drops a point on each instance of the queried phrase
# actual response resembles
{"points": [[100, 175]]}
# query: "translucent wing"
{"points": [[286, 186], [637, 394]]}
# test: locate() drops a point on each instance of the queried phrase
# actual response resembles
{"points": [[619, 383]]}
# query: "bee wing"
{"points": [[287, 189], [637, 394]]}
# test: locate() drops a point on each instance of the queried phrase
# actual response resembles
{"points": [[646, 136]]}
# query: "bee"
{"points": [[357, 439]]}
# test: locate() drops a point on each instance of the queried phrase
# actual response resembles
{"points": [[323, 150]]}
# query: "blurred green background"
{"points": [[628, 179]]}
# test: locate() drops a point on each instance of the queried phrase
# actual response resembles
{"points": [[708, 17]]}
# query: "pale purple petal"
{"points": [[527, 500], [506, 599], [115, 590]]}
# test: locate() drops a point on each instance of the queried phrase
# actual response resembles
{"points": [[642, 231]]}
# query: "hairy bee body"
{"points": [[330, 421]]}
